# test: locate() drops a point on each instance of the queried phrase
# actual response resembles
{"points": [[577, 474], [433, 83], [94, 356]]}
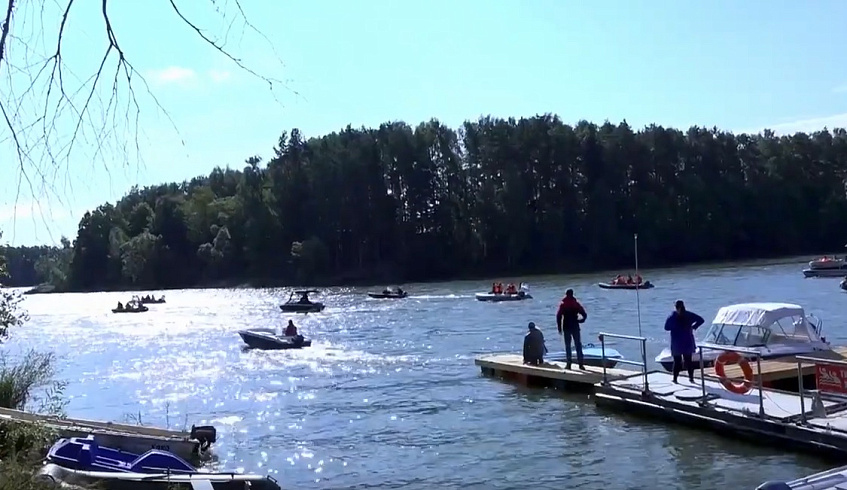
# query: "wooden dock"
{"points": [[550, 374], [820, 425], [775, 371]]}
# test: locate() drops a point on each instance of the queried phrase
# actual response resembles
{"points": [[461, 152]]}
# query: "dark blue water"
{"points": [[389, 397]]}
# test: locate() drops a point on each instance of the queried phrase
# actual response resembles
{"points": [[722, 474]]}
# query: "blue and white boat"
{"points": [[592, 356], [83, 453]]}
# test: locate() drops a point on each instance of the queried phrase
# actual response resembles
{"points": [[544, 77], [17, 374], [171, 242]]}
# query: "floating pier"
{"points": [[782, 372]]}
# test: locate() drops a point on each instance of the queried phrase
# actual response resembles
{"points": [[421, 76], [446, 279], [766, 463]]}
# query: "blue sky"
{"points": [[741, 66]]}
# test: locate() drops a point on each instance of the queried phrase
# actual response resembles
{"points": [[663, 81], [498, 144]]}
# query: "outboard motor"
{"points": [[774, 485], [206, 434]]}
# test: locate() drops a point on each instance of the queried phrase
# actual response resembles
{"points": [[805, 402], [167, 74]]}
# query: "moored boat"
{"points": [[773, 329], [57, 476], [84, 453], [193, 445], [267, 339], [592, 355], [302, 304]]}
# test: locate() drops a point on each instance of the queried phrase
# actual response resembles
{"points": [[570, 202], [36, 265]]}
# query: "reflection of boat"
{"points": [[54, 476], [609, 285], [191, 445], [389, 294], [773, 329], [83, 453], [592, 355], [302, 304], [522, 294], [267, 339]]}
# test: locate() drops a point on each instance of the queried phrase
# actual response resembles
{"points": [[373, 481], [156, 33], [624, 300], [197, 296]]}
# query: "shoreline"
{"points": [[482, 277]]}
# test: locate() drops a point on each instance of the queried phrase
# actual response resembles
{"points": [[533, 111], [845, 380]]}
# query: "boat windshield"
{"points": [[786, 330]]}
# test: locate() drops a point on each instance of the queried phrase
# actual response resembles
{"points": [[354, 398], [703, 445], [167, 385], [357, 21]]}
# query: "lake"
{"points": [[388, 396]]}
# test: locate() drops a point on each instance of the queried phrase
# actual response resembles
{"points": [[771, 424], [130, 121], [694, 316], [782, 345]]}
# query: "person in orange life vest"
{"points": [[290, 330], [681, 324], [567, 321], [493, 288], [511, 289], [637, 279], [499, 288]]}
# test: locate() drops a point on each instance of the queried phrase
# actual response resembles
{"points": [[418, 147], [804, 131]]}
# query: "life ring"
{"points": [[741, 388]]}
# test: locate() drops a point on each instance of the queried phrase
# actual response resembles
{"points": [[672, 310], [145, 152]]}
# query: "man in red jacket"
{"points": [[567, 321]]}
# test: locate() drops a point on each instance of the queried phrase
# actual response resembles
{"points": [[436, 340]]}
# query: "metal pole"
{"points": [[761, 389], [702, 373], [603, 354], [800, 390], [644, 363], [637, 295]]}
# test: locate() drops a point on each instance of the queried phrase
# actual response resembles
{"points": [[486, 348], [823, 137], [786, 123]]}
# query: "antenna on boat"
{"points": [[637, 288]]}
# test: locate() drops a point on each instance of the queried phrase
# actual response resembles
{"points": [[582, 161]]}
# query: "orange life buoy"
{"points": [[744, 386]]}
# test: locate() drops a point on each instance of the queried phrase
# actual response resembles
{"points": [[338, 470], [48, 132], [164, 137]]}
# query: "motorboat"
{"points": [[83, 453], [302, 304], [612, 285], [52, 475], [833, 272], [832, 479], [268, 339], [522, 294], [592, 355], [131, 306], [826, 262], [150, 300], [772, 329], [193, 445], [390, 294]]}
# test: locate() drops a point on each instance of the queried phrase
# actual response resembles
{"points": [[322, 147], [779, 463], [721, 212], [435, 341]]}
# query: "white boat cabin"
{"points": [[763, 324]]}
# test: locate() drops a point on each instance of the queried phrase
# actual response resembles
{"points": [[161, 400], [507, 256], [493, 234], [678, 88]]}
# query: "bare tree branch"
{"points": [[45, 119]]}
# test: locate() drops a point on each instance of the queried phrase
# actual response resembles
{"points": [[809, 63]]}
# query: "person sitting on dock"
{"points": [[291, 329], [534, 347], [682, 324], [567, 321]]}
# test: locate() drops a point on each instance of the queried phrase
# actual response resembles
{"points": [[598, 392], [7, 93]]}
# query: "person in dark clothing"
{"points": [[682, 324], [533, 346], [567, 321]]}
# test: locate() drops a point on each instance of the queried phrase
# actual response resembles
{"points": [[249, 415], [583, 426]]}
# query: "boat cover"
{"points": [[757, 314]]}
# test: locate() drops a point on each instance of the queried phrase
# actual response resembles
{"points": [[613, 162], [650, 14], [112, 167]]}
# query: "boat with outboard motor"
{"points": [[389, 293], [191, 445], [268, 339], [131, 306], [302, 304], [592, 355], [84, 453], [832, 479], [826, 267], [628, 286], [520, 295], [52, 475], [772, 329], [150, 300]]}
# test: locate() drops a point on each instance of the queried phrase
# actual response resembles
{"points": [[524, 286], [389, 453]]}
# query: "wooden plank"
{"points": [[783, 367], [513, 363]]}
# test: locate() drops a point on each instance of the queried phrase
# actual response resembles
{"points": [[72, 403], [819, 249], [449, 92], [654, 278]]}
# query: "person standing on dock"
{"points": [[567, 321], [534, 347], [682, 324]]}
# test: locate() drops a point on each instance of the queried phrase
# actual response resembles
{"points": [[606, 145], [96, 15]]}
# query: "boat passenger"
{"points": [[568, 321], [400, 291], [493, 288], [510, 289], [682, 324], [120, 305], [637, 279], [499, 288], [304, 300], [386, 291], [533, 346], [290, 330], [629, 279]]}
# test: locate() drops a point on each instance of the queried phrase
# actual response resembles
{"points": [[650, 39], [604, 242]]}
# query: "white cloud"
{"points": [[808, 125], [219, 76], [173, 75]]}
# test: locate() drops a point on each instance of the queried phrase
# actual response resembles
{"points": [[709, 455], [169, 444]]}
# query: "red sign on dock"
{"points": [[831, 378]]}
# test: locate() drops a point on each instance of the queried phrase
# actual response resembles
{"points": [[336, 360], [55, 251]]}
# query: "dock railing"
{"points": [[830, 381], [747, 353], [643, 363]]}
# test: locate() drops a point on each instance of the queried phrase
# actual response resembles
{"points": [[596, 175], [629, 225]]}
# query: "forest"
{"points": [[496, 197]]}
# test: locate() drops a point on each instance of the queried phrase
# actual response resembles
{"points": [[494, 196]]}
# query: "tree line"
{"points": [[495, 197]]}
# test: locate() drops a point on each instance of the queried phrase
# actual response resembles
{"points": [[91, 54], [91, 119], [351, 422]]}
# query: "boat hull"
{"points": [[266, 339], [302, 308], [591, 355], [606, 285], [138, 310], [839, 272], [156, 302], [388, 296], [496, 298], [53, 475], [85, 453]]}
